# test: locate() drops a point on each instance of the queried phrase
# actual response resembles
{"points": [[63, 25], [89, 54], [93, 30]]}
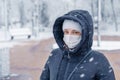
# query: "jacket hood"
{"points": [[85, 20]]}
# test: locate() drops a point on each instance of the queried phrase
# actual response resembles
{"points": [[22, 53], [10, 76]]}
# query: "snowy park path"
{"points": [[37, 52]]}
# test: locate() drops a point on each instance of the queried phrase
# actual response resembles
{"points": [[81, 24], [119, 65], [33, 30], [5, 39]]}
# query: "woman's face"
{"points": [[70, 31], [71, 37]]}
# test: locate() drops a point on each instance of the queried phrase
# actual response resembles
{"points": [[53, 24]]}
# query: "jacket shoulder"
{"points": [[97, 53], [55, 52], [100, 56], [55, 56]]}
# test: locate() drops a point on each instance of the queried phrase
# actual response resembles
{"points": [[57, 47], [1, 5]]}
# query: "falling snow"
{"points": [[110, 70], [110, 67], [44, 69], [48, 62], [84, 61], [91, 59], [50, 54], [81, 67], [82, 75], [96, 63], [102, 74]]}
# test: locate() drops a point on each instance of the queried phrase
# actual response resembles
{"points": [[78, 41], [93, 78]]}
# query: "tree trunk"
{"points": [[114, 16], [103, 10]]}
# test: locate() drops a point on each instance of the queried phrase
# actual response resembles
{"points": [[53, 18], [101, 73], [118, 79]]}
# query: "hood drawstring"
{"points": [[68, 56]]}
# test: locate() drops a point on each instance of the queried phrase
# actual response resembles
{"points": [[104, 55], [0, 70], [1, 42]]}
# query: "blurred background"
{"points": [[26, 38]]}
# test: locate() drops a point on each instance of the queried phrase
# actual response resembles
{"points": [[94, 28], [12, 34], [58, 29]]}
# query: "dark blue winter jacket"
{"points": [[81, 63]]}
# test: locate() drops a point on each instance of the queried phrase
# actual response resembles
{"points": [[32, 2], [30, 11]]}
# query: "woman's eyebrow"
{"points": [[65, 30], [75, 30]]}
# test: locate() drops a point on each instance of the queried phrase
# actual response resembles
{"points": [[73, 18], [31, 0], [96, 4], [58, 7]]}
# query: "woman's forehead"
{"points": [[70, 29]]}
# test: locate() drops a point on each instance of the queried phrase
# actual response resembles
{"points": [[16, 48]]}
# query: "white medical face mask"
{"points": [[72, 40]]}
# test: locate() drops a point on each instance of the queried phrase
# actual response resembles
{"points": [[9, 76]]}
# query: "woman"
{"points": [[75, 59]]}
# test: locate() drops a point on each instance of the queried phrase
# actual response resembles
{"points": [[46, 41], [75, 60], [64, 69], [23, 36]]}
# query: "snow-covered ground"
{"points": [[104, 45], [6, 42]]}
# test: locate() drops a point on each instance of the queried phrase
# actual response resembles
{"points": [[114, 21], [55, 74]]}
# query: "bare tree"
{"points": [[103, 10], [92, 8], [9, 13], [44, 19], [22, 13], [114, 15]]}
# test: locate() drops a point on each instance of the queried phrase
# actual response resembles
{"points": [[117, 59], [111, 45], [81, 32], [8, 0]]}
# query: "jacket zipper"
{"points": [[76, 67], [68, 56]]}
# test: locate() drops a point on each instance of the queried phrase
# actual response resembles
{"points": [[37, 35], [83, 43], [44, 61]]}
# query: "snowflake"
{"points": [[48, 62], [50, 54], [82, 75], [110, 70], [91, 59], [81, 67], [85, 61], [102, 74], [96, 63], [43, 69]]}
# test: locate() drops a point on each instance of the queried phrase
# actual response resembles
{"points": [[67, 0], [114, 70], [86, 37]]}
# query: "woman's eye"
{"points": [[76, 32], [65, 32]]}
